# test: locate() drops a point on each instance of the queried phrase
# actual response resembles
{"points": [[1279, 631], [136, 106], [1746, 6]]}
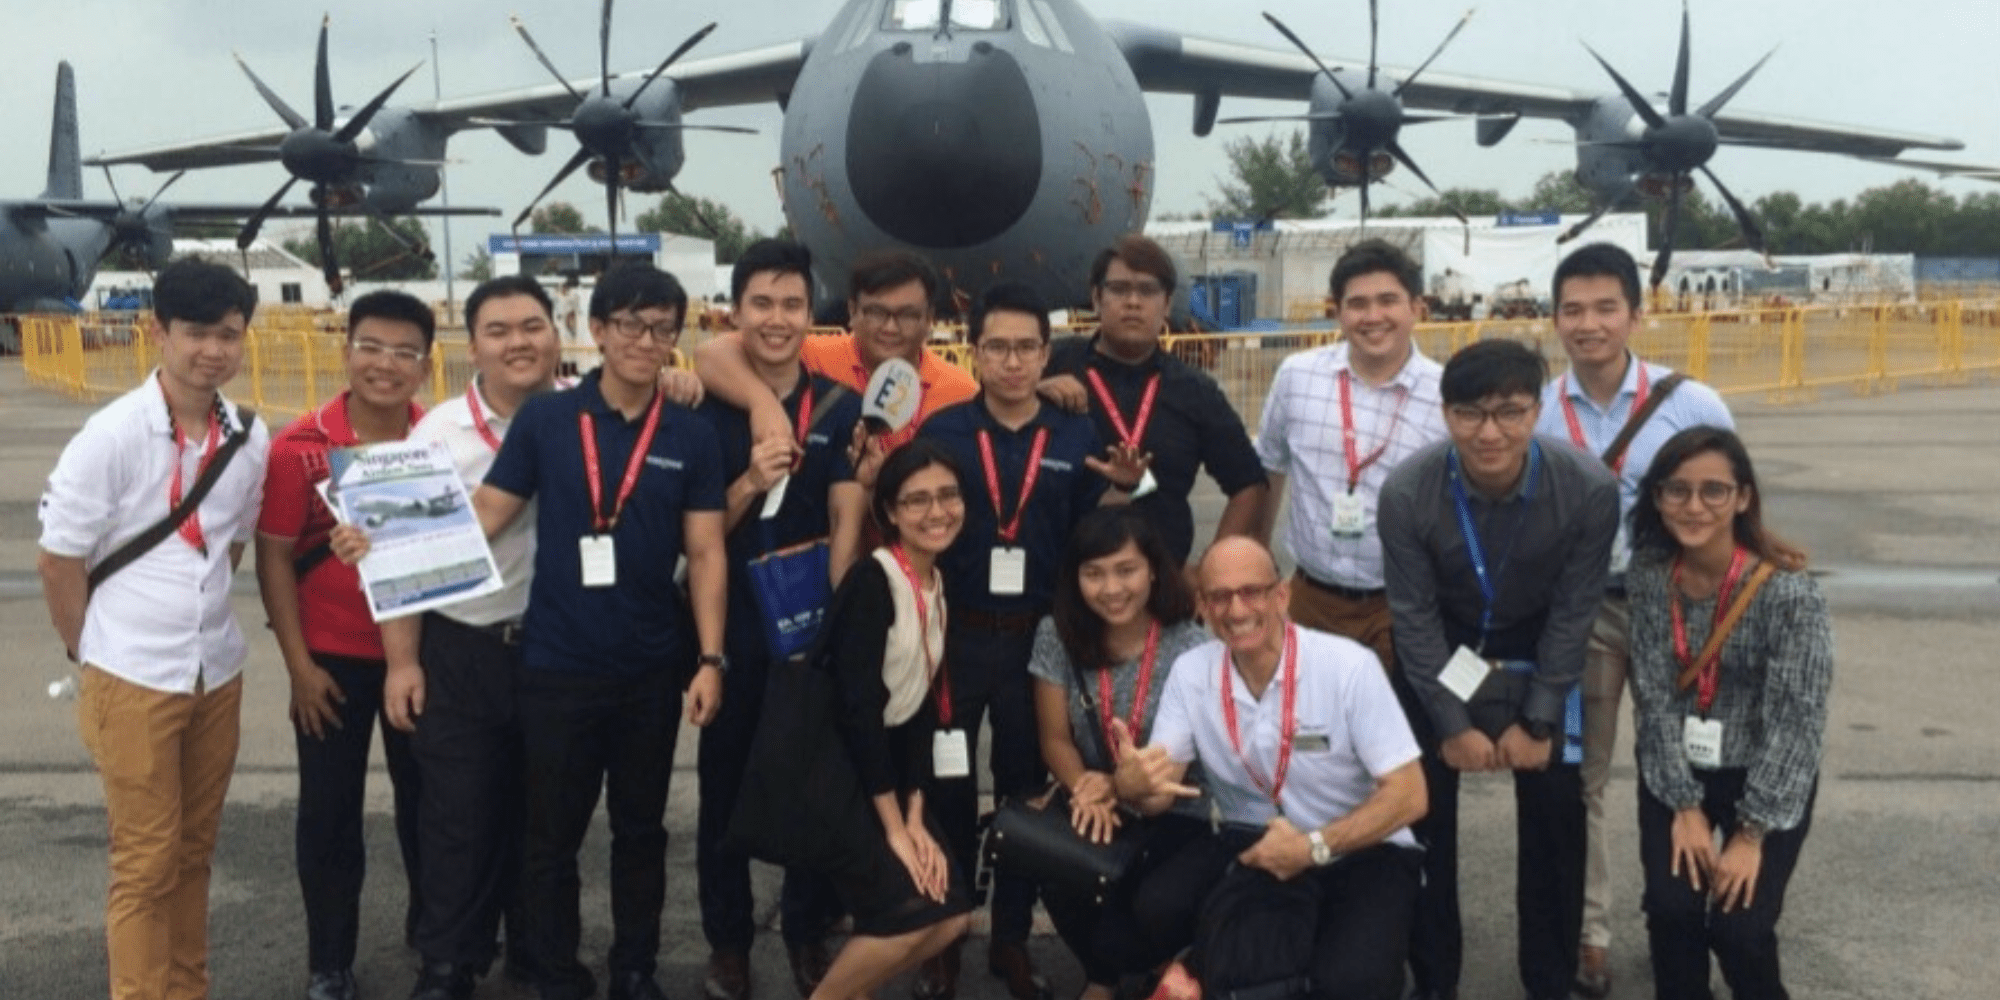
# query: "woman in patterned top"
{"points": [[1122, 615], [1728, 744]]}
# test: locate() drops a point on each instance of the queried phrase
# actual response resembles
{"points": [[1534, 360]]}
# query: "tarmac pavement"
{"points": [[1896, 895]]}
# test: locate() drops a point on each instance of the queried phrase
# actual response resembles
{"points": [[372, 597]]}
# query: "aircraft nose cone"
{"points": [[1684, 143], [944, 155]]}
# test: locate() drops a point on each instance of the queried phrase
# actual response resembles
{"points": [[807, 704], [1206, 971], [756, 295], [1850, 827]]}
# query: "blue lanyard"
{"points": [[1477, 552]]}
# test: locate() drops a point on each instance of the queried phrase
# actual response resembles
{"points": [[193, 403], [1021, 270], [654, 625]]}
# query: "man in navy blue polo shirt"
{"points": [[626, 483], [783, 492], [1031, 471]]}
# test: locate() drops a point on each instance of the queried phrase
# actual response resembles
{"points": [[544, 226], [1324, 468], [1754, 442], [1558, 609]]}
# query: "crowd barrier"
{"points": [[292, 359]]}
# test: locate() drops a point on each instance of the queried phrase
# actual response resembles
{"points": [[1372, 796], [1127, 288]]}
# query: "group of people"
{"points": [[1484, 557]]}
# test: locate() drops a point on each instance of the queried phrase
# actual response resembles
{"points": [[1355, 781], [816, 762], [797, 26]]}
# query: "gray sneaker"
{"points": [[331, 985]]}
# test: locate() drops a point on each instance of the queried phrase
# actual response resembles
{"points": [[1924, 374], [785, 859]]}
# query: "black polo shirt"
{"points": [[1064, 491], [1193, 427], [803, 516], [637, 625]]}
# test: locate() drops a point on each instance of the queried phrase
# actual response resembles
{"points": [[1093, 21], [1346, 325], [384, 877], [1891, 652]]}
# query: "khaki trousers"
{"points": [[1604, 666], [1366, 622], [165, 760]]}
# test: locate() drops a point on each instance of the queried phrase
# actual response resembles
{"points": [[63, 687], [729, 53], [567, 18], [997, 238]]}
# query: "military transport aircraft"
{"points": [[1009, 139]]}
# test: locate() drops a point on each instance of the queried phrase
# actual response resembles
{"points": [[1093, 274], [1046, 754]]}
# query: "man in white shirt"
{"points": [[1337, 419], [1309, 749], [160, 648]]}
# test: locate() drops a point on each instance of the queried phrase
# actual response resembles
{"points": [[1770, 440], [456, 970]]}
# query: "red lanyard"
{"points": [[1128, 434], [1711, 670], [1105, 709], [479, 418], [1576, 426], [190, 530], [1288, 728], [601, 521], [1009, 528], [1350, 440], [805, 421], [931, 672]]}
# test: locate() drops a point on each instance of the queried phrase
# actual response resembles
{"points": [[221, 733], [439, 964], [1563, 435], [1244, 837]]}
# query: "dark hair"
{"points": [[773, 256], [638, 286], [1498, 367], [394, 305], [904, 462], [1100, 533], [1140, 254], [1008, 296], [886, 269], [1650, 536], [1599, 260], [505, 286], [200, 291], [1372, 257]]}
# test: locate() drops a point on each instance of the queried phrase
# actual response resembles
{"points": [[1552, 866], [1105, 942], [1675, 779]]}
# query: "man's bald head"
{"points": [[1245, 600], [1237, 553]]}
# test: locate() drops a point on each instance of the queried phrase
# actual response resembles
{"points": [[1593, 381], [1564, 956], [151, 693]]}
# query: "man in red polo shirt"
{"points": [[332, 649]]}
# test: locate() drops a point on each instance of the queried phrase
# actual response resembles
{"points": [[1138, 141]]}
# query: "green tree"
{"points": [[369, 252], [477, 266], [558, 217], [690, 216], [1471, 203], [1270, 178], [1557, 191]]}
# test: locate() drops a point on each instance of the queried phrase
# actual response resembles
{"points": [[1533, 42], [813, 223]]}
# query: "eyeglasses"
{"points": [[1129, 289], [1253, 595], [631, 327], [1000, 350], [1511, 417], [911, 319], [921, 503], [1678, 492], [375, 350]]}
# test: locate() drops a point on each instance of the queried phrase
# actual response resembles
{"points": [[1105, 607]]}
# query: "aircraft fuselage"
{"points": [[43, 263]]}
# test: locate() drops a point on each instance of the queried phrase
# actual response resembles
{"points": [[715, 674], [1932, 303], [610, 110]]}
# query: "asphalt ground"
{"points": [[1896, 895]]}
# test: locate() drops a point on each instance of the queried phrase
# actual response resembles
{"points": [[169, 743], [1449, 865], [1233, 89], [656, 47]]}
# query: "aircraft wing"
{"points": [[1971, 170], [106, 211]]}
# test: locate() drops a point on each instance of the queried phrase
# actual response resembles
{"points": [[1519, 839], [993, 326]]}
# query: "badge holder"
{"points": [[599, 557], [951, 754]]}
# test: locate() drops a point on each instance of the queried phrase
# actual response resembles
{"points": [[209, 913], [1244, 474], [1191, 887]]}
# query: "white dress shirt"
{"points": [[163, 622], [514, 548]]}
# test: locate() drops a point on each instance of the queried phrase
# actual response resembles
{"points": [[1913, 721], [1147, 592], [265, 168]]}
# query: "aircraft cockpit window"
{"points": [[966, 15], [977, 15]]}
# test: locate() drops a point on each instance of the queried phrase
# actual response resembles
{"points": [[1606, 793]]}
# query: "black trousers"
{"points": [[333, 777], [1681, 926], [807, 904], [989, 674], [1108, 936], [580, 735], [1548, 872], [468, 751]]}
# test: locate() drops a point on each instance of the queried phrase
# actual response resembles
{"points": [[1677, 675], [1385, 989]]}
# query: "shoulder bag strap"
{"points": [[142, 543], [1640, 416], [1100, 738], [1737, 608]]}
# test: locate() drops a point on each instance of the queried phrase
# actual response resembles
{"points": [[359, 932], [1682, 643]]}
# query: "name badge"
{"points": [[1621, 550], [600, 560], [1312, 743], [1702, 739], [1007, 572], [951, 756], [1464, 672], [1350, 516]]}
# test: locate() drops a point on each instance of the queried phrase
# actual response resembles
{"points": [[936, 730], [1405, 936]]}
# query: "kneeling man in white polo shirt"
{"points": [[1300, 736]]}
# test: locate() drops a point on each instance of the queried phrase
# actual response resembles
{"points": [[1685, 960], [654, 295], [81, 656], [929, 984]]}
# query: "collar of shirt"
{"points": [[1405, 378], [984, 419], [1628, 390], [592, 400], [494, 421], [338, 430], [160, 420], [1154, 361]]}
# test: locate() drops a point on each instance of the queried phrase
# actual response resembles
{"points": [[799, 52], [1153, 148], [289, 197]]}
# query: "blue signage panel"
{"points": [[1530, 218], [551, 244]]}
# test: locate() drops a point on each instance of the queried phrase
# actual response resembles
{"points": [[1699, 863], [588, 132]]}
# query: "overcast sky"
{"points": [[151, 71]]}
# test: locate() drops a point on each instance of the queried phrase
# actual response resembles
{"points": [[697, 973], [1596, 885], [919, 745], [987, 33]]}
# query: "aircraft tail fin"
{"points": [[65, 153]]}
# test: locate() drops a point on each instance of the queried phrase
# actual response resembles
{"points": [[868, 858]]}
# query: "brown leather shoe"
{"points": [[937, 977], [809, 965], [728, 976], [1008, 960], [1593, 972]]}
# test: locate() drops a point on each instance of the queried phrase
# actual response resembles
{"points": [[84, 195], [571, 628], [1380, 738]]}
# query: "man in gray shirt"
{"points": [[1495, 546]]}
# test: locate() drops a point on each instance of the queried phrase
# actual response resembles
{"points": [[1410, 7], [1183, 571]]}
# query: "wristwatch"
{"points": [[1540, 729], [716, 660], [1322, 855], [1750, 831]]}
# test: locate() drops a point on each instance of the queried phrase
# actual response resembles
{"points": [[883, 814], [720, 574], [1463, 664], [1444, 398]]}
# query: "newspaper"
{"points": [[425, 547]]}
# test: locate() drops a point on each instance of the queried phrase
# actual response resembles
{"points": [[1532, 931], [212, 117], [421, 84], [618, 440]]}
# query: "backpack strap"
{"points": [[144, 542]]}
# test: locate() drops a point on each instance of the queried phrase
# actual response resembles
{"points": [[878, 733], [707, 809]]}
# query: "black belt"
{"points": [[1349, 593], [508, 633], [1006, 622]]}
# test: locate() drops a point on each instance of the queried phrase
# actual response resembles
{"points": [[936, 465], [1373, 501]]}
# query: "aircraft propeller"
{"points": [[137, 234], [1368, 120], [1677, 144], [320, 153]]}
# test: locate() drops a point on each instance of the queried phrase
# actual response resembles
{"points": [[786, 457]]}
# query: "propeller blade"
{"points": [[328, 265], [1333, 117], [248, 234], [1374, 29], [604, 55], [1673, 222], [292, 118], [1590, 220], [1402, 157], [113, 185], [672, 57], [514, 123], [1677, 100], [1753, 234], [611, 166], [322, 82], [156, 194], [694, 209], [1715, 103], [1410, 118], [1365, 179], [360, 120], [581, 157], [1638, 101], [1301, 46], [1426, 64], [543, 57], [676, 126]]}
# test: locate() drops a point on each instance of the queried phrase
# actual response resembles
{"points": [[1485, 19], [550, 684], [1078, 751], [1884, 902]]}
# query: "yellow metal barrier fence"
{"points": [[292, 362]]}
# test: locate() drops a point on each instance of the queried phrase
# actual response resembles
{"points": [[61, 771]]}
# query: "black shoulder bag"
{"points": [[144, 542]]}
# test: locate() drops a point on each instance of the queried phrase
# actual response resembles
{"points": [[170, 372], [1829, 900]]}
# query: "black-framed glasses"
{"points": [[1511, 417], [1122, 289], [911, 318], [1679, 492], [1252, 594], [632, 327], [921, 503], [1000, 350]]}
